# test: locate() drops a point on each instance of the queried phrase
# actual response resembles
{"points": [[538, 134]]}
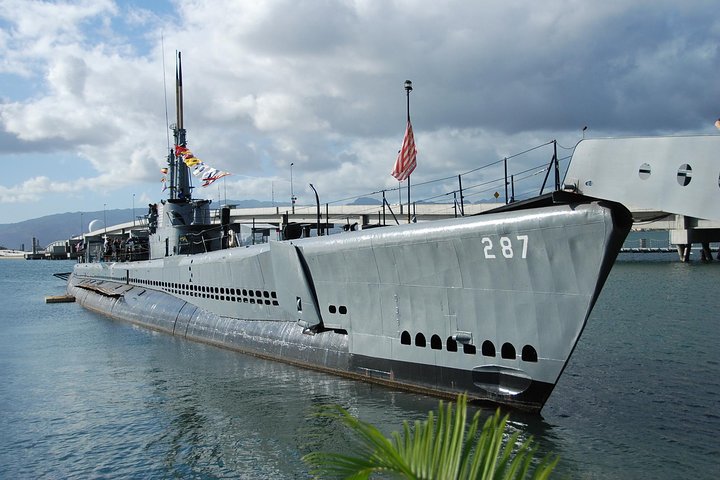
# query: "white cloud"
{"points": [[34, 188]]}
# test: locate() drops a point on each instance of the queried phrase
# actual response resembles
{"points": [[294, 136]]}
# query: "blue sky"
{"points": [[320, 84]]}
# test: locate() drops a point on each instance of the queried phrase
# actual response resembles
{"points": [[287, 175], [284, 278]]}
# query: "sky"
{"points": [[314, 91]]}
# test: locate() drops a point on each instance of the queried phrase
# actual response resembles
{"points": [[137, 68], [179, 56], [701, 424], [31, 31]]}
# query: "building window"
{"points": [[684, 175]]}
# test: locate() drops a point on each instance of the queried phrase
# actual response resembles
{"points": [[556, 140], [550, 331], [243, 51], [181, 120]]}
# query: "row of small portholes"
{"points": [[684, 174], [243, 295], [507, 351]]}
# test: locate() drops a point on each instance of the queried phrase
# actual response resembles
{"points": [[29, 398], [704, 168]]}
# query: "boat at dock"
{"points": [[491, 305]]}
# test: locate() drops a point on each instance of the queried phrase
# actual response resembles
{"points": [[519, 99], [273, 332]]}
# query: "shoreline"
{"points": [[12, 255]]}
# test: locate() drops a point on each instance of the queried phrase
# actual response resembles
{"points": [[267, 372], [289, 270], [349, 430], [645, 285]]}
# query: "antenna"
{"points": [[178, 87], [183, 191]]}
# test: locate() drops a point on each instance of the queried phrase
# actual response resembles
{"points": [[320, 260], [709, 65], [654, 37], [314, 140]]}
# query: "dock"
{"points": [[60, 299]]}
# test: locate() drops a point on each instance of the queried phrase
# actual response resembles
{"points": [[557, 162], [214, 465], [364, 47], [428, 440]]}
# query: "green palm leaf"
{"points": [[442, 448]]}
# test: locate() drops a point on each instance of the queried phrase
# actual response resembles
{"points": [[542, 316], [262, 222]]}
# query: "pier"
{"points": [[259, 225]]}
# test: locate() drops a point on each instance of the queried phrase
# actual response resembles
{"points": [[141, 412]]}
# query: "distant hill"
{"points": [[57, 227], [62, 226], [366, 201]]}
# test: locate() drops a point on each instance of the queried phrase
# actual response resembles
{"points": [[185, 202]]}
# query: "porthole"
{"points": [[644, 171], [266, 294], [405, 338], [451, 345], [488, 349], [507, 351], [333, 309], [342, 310], [684, 175], [469, 349], [420, 340], [435, 343], [529, 354]]}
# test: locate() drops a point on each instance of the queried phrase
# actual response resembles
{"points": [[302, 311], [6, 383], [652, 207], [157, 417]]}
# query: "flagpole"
{"points": [[408, 89]]}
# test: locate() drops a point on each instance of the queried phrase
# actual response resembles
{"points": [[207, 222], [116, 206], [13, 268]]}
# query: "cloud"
{"points": [[34, 188], [320, 84]]}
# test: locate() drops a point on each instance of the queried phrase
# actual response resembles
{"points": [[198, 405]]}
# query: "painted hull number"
{"points": [[505, 247]]}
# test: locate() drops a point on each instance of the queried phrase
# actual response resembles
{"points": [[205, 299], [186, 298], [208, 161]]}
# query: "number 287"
{"points": [[506, 247]]}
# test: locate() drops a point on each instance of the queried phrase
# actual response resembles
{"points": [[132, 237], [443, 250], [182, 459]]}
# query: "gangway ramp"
{"points": [[678, 175]]}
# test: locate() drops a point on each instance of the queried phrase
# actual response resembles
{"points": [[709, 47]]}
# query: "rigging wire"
{"points": [[543, 167], [167, 117]]}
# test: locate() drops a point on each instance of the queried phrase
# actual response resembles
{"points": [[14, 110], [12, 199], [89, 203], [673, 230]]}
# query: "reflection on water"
{"points": [[84, 396]]}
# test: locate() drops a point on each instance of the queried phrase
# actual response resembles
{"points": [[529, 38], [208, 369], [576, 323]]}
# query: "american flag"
{"points": [[406, 160]]}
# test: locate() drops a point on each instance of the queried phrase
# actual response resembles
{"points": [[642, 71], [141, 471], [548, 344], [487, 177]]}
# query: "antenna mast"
{"points": [[180, 178]]}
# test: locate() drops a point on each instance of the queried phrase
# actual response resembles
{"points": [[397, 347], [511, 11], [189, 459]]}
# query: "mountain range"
{"points": [[62, 226]]}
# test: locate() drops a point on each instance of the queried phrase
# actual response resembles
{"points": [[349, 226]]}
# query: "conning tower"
{"points": [[180, 225]]}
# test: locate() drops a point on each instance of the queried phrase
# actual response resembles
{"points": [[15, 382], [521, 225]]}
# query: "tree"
{"points": [[445, 448]]}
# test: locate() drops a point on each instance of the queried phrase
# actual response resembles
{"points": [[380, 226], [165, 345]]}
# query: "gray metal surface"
{"points": [[672, 174], [295, 290]]}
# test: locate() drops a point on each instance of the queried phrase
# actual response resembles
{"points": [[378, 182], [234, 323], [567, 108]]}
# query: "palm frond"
{"points": [[436, 448]]}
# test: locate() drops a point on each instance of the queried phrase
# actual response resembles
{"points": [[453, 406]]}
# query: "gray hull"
{"points": [[491, 305]]}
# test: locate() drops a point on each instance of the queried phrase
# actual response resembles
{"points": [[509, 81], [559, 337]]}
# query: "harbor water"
{"points": [[83, 396]]}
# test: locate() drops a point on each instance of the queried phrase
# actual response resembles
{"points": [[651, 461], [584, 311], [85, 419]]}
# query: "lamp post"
{"points": [[133, 209], [81, 224], [105, 218], [292, 192], [317, 204]]}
